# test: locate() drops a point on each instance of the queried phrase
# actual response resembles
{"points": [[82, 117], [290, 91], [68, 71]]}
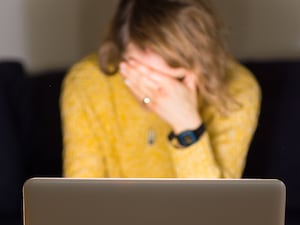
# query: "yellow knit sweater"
{"points": [[106, 131]]}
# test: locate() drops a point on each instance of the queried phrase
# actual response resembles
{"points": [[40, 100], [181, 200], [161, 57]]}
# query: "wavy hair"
{"points": [[185, 33]]}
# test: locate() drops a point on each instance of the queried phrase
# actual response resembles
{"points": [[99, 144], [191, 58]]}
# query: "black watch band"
{"points": [[187, 138]]}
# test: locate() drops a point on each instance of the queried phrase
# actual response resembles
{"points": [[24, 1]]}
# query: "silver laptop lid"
{"points": [[59, 201]]}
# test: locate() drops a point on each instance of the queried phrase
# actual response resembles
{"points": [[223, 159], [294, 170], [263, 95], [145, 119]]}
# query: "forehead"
{"points": [[148, 58]]}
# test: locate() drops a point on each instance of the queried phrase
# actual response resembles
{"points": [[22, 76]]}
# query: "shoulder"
{"points": [[241, 83], [85, 84], [85, 77], [86, 81], [85, 70], [243, 88]]}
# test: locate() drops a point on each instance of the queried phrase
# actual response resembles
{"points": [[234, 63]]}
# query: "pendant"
{"points": [[151, 137]]}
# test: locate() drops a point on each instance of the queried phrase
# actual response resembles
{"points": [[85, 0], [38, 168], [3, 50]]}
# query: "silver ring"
{"points": [[146, 100]]}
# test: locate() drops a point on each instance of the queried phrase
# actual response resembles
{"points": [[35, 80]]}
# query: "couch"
{"points": [[31, 137]]}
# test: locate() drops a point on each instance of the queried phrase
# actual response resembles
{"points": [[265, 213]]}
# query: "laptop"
{"points": [[63, 201]]}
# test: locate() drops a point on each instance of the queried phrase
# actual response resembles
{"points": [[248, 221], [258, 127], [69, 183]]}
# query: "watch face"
{"points": [[187, 138]]}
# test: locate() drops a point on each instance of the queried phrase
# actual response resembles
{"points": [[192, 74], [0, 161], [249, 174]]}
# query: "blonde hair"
{"points": [[185, 33]]}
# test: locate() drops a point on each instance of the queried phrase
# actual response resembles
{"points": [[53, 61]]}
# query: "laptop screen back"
{"points": [[59, 201]]}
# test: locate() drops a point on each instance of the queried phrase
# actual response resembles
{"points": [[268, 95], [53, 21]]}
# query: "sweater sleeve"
{"points": [[221, 152], [81, 155]]}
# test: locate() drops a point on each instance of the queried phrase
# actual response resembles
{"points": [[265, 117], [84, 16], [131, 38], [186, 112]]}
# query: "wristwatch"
{"points": [[186, 138]]}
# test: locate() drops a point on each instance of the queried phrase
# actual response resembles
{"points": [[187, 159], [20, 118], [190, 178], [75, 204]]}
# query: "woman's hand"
{"points": [[174, 99]]}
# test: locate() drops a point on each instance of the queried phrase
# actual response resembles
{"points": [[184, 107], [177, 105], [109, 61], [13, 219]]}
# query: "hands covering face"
{"points": [[172, 97]]}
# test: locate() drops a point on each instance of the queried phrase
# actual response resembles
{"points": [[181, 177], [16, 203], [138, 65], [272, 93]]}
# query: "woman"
{"points": [[175, 103]]}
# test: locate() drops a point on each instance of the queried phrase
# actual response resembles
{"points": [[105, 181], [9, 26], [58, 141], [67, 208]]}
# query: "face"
{"points": [[154, 62]]}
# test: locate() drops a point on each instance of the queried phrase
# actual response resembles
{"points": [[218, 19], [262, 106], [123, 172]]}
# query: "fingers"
{"points": [[139, 79], [156, 86]]}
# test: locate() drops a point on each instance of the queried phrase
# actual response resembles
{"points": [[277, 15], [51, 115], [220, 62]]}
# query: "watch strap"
{"points": [[186, 138]]}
